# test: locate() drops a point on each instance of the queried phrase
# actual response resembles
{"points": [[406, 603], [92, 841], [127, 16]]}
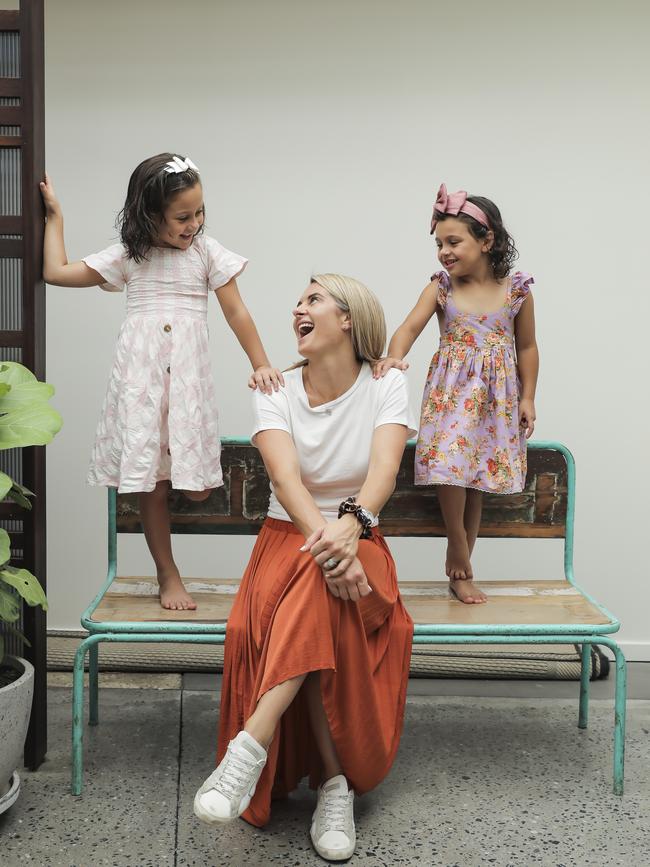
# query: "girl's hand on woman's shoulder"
{"points": [[380, 368], [52, 205], [268, 379]]}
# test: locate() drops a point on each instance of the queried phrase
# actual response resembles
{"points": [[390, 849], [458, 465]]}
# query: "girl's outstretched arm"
{"points": [[527, 362], [56, 269], [264, 377], [409, 331]]}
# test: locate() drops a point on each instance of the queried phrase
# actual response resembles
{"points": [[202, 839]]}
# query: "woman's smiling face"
{"points": [[318, 321]]}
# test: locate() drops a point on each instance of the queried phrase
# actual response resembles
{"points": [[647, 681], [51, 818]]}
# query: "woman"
{"points": [[319, 643]]}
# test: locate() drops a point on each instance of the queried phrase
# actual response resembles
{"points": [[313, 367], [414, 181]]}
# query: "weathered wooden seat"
{"points": [[527, 611], [135, 600]]}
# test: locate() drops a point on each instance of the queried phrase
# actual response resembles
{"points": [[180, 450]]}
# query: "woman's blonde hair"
{"points": [[367, 321]]}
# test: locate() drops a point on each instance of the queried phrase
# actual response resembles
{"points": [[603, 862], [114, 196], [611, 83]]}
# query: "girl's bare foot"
{"points": [[465, 590], [458, 566], [173, 594]]}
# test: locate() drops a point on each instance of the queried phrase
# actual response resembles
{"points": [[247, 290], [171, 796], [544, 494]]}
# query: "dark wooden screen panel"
{"points": [[240, 506], [22, 306]]}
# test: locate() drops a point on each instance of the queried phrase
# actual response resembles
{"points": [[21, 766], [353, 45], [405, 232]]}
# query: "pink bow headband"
{"points": [[456, 203]]}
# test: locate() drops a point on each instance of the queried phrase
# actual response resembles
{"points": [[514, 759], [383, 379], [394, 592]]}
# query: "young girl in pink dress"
{"points": [[478, 407], [159, 420]]}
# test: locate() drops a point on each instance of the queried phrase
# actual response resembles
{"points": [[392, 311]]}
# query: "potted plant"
{"points": [[26, 419]]}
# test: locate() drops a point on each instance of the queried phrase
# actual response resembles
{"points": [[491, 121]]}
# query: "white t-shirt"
{"points": [[333, 440]]}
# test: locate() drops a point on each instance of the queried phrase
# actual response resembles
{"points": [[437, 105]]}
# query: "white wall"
{"points": [[322, 132]]}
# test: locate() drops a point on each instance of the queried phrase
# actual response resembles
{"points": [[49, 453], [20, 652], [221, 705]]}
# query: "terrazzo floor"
{"points": [[478, 780]]}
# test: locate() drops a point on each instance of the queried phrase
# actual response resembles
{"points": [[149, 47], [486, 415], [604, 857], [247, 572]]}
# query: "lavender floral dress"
{"points": [[469, 428]]}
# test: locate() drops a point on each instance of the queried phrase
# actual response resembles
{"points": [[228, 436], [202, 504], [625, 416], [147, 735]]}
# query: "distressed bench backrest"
{"points": [[543, 510]]}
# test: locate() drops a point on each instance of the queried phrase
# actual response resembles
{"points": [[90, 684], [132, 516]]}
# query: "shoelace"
{"points": [[234, 776], [335, 808]]}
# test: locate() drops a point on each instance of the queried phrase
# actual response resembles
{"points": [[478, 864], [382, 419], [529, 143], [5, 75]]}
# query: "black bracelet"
{"points": [[351, 507]]}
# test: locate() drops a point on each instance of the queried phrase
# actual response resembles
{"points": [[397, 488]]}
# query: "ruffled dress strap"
{"points": [[444, 285], [520, 287]]}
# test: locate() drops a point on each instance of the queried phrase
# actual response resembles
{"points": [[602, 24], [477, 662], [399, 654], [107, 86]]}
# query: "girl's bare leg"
{"points": [[452, 501], [265, 718], [472, 522], [453, 504], [155, 522]]}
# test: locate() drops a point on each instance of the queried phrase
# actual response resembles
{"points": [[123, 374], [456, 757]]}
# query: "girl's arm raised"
{"points": [[409, 331], [56, 269], [527, 363], [264, 377]]}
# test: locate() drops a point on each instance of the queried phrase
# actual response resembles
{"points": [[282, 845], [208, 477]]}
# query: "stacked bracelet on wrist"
{"points": [[363, 516]]}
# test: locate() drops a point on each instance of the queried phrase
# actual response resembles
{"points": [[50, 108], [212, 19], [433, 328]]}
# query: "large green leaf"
{"points": [[26, 418], [26, 584], [6, 483], [33, 425], [9, 606], [19, 495], [5, 546]]}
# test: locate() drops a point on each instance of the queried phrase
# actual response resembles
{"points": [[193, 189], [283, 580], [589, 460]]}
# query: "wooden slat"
{"points": [[11, 141], [11, 87], [9, 20], [10, 114], [10, 511], [239, 507], [11, 248], [11, 225], [11, 338], [532, 603]]}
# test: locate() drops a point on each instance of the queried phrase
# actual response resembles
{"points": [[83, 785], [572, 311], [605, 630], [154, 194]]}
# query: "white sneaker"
{"points": [[228, 791], [332, 827]]}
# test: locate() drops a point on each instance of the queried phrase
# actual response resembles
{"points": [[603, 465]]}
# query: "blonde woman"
{"points": [[319, 642]]}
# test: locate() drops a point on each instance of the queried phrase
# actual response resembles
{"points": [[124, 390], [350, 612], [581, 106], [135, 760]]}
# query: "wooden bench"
{"points": [[528, 611]]}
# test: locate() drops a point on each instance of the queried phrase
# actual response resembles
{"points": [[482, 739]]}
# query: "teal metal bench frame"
{"points": [[215, 633]]}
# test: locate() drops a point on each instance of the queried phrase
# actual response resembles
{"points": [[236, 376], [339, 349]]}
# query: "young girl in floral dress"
{"points": [[159, 420], [478, 408]]}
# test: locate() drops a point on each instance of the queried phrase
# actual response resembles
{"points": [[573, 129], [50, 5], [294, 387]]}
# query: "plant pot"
{"points": [[15, 707]]}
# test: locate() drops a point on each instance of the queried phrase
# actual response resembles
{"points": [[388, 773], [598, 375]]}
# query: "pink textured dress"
{"points": [[469, 429], [159, 419]]}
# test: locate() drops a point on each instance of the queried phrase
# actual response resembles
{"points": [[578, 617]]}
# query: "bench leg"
{"points": [[583, 714], [93, 685], [77, 717], [619, 718]]}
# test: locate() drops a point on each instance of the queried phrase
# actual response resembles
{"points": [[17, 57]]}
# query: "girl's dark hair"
{"points": [[503, 252], [150, 191]]}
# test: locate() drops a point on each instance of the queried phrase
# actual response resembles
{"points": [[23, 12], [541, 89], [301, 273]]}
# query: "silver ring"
{"points": [[330, 564]]}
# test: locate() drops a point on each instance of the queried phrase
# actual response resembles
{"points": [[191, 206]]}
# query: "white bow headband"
{"points": [[176, 165]]}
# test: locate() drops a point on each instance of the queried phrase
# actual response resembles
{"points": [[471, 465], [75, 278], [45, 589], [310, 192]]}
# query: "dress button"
{"points": [[167, 328], [168, 452], [169, 370]]}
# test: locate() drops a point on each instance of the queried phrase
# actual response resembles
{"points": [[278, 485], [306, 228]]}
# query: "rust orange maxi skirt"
{"points": [[284, 623]]}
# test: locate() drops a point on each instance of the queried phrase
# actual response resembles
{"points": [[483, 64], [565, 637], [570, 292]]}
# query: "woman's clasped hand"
{"points": [[334, 548]]}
